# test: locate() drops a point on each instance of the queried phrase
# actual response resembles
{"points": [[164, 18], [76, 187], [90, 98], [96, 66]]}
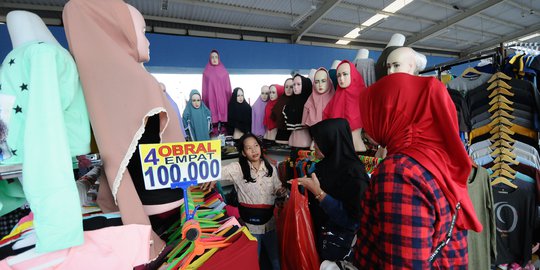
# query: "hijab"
{"points": [[295, 107], [344, 104], [415, 116], [381, 68], [239, 113], [314, 107], [197, 120], [216, 89], [257, 117], [340, 172], [277, 111], [120, 94], [269, 123]]}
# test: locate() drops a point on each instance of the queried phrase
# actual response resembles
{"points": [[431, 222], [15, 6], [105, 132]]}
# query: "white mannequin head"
{"points": [[24, 26], [343, 74], [289, 87], [312, 74], [265, 91], [214, 58], [421, 62], [335, 64], [362, 54], [273, 93], [402, 60], [396, 40], [143, 45], [320, 81], [196, 101], [297, 85], [240, 96]]}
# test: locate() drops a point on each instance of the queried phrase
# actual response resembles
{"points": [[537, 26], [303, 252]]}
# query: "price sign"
{"points": [[167, 165]]}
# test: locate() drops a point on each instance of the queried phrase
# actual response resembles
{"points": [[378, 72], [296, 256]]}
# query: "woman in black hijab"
{"points": [[239, 112], [337, 186]]}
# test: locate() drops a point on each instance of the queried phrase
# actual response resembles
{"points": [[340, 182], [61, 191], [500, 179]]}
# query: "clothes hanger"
{"points": [[501, 99], [502, 180], [503, 173], [499, 106], [504, 166], [499, 75], [501, 121], [503, 136], [501, 91], [470, 70], [502, 151], [502, 113], [501, 143], [501, 128], [499, 83], [505, 158]]}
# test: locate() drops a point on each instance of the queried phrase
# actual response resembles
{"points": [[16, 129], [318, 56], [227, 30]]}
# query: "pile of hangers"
{"points": [[507, 145]]}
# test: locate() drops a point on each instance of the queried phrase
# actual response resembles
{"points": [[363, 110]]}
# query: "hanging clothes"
{"points": [[239, 113], [344, 104], [366, 68], [269, 122], [316, 103], [257, 117], [197, 120], [216, 89]]}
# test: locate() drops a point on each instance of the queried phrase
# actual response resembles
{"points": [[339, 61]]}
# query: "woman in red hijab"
{"points": [[418, 194]]}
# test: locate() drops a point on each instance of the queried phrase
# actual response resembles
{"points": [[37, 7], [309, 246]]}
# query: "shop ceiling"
{"points": [[441, 27]]}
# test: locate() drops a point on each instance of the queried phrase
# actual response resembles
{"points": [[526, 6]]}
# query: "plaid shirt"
{"points": [[405, 216]]}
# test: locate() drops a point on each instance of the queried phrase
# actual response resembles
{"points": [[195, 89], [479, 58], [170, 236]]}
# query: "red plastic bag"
{"points": [[295, 228]]}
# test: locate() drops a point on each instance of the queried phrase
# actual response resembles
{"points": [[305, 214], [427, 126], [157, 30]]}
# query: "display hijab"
{"points": [[344, 104], [216, 89], [239, 113], [340, 172], [415, 116], [295, 107], [257, 116], [268, 122], [277, 110], [314, 107], [119, 92], [198, 119], [381, 68]]}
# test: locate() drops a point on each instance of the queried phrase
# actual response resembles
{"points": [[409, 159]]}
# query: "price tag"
{"points": [[167, 165]]}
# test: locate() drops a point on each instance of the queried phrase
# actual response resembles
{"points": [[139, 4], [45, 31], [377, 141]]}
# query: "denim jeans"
{"points": [[270, 242]]}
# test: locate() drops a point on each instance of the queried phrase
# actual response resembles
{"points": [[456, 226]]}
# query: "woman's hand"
{"points": [[208, 185], [312, 184]]}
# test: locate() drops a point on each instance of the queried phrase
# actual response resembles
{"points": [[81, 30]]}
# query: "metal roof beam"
{"points": [[442, 25], [524, 32], [314, 18]]}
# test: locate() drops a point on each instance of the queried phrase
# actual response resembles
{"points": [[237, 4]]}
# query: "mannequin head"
{"points": [[396, 40], [289, 87], [273, 93], [240, 95], [362, 54], [196, 101], [335, 64], [143, 45], [343, 74], [297, 85], [214, 58], [402, 60], [24, 26], [265, 91], [321, 81]]}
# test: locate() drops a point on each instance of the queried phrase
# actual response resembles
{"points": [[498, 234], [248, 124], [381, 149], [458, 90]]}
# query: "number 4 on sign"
{"points": [[152, 157]]}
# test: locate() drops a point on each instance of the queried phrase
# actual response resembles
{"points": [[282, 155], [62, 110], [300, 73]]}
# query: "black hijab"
{"points": [[295, 107], [239, 113], [340, 172], [381, 69]]}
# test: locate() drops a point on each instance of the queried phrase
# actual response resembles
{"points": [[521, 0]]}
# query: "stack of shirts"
{"points": [[505, 142]]}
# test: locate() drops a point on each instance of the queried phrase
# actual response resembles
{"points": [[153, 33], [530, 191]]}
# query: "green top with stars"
{"points": [[48, 124]]}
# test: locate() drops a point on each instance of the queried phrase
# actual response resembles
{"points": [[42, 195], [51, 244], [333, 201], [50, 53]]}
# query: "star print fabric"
{"points": [[48, 125]]}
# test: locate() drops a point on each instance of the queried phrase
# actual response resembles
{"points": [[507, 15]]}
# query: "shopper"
{"points": [[337, 187], [258, 185], [421, 186]]}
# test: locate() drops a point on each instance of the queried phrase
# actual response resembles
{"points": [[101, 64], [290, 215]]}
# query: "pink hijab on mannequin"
{"points": [[314, 107]]}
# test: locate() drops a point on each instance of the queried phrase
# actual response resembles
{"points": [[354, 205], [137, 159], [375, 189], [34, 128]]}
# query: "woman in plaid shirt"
{"points": [[414, 194]]}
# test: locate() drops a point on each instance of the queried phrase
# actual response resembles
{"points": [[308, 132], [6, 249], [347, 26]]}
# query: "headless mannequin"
{"points": [[25, 26], [396, 40], [239, 98], [344, 82], [271, 134], [362, 54], [288, 92]]}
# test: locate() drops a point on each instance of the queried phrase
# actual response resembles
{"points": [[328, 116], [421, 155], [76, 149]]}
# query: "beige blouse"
{"points": [[261, 192]]}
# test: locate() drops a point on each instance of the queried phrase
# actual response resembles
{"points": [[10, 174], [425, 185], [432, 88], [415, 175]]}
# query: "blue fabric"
{"points": [[197, 121], [337, 213], [270, 242]]}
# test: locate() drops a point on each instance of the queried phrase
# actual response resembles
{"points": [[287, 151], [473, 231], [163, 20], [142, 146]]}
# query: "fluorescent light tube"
{"points": [[529, 37], [354, 33], [374, 19], [396, 5], [342, 42]]}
